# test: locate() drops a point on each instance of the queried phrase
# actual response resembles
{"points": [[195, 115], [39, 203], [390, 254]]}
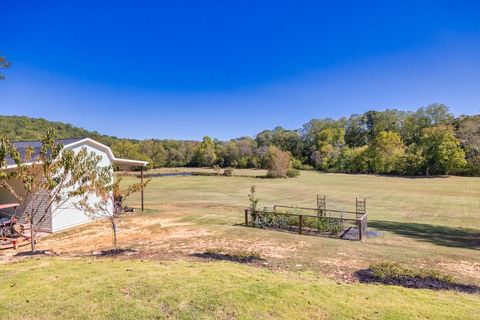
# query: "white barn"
{"points": [[68, 216]]}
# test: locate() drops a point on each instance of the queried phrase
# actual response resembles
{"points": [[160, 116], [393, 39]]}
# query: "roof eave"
{"points": [[129, 163]]}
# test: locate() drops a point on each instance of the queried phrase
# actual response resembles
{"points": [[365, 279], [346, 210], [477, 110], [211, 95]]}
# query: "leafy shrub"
{"points": [[290, 218], [293, 173], [296, 163], [279, 163], [390, 271], [235, 255], [333, 226], [306, 167]]}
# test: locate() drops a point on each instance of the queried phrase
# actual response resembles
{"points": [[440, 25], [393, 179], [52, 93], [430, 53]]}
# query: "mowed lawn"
{"points": [[424, 222], [145, 289]]}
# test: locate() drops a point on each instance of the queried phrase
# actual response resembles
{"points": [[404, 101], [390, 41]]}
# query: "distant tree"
{"points": [[286, 140], [206, 155], [356, 160], [441, 150], [334, 145], [356, 133], [468, 133], [386, 153], [380, 121], [130, 149], [154, 150], [414, 163], [311, 130], [230, 155], [415, 122], [329, 142], [51, 179], [4, 64]]}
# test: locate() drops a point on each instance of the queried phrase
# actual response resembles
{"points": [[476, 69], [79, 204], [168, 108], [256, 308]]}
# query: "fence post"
{"points": [[300, 224], [360, 230], [246, 217]]}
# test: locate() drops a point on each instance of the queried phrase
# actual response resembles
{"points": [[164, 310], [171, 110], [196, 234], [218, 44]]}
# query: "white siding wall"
{"points": [[68, 215]]}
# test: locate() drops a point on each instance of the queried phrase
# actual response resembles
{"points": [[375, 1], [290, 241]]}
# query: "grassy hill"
{"points": [[418, 144], [20, 128]]}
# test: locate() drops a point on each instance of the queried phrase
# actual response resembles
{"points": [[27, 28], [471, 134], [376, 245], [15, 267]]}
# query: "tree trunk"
{"points": [[114, 229], [32, 237]]}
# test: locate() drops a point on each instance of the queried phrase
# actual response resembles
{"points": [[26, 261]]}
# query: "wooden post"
{"points": [[246, 217], [141, 177], [360, 231], [356, 208], [300, 224]]}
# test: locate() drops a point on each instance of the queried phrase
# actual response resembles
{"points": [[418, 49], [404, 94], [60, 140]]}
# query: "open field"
{"points": [[425, 222]]}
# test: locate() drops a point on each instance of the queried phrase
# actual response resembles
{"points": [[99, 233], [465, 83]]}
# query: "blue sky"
{"points": [[185, 69]]}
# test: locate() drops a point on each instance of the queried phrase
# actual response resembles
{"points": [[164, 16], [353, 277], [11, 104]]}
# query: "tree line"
{"points": [[428, 141]]}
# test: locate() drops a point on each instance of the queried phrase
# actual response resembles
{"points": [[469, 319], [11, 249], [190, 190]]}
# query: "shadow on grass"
{"points": [[31, 253], [439, 235], [367, 276]]}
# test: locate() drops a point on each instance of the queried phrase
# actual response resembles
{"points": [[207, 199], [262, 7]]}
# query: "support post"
{"points": [[360, 229], [246, 217], [141, 178], [300, 224], [356, 208]]}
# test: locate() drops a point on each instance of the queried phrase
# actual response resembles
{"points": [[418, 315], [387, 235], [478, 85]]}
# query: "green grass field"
{"points": [[134, 289], [425, 222]]}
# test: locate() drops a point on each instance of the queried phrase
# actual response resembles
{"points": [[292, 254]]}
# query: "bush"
{"points": [[392, 272], [293, 173], [279, 163], [233, 255], [297, 164]]}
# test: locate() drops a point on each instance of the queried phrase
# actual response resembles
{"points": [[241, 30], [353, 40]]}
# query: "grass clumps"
{"points": [[242, 256], [392, 273]]}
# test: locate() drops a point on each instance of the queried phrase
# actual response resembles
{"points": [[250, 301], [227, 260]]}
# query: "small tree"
{"points": [[253, 202], [110, 196], [279, 163], [50, 177]]}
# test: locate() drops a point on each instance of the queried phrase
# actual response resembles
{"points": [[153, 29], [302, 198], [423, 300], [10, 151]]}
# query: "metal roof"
{"points": [[36, 145]]}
